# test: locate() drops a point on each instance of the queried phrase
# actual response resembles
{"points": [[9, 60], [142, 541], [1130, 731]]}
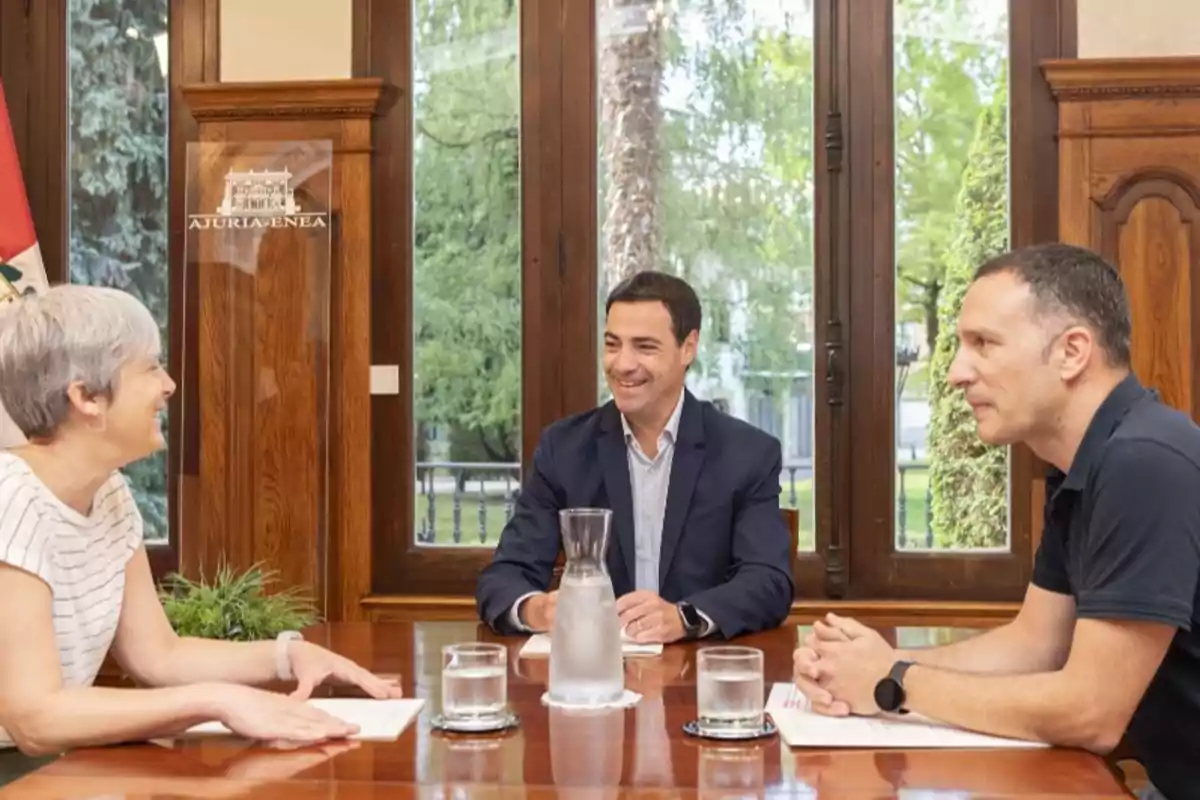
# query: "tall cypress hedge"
{"points": [[969, 480]]}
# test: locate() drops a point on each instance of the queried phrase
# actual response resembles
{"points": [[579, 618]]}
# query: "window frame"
{"points": [[853, 284], [1037, 31], [33, 64], [382, 47]]}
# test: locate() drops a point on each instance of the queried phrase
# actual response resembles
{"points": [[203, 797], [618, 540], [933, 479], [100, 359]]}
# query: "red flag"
{"points": [[21, 268]]}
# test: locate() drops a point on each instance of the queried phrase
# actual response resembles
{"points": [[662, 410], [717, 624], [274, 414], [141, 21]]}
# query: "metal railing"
{"points": [[471, 501], [495, 486]]}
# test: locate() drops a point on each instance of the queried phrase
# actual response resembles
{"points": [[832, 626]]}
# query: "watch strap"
{"points": [[897, 675], [283, 660], [898, 670]]}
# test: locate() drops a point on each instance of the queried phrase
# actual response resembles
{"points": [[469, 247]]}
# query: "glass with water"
{"points": [[587, 667], [474, 684], [729, 691]]}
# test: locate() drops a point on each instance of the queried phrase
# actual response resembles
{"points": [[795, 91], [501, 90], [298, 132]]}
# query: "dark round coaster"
{"points": [[503, 722], [692, 728]]}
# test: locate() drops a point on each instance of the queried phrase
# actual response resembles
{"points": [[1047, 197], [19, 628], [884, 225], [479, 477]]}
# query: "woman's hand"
{"points": [[313, 665], [269, 716]]}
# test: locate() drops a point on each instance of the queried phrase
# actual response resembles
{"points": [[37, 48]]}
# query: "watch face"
{"points": [[691, 617], [888, 695]]}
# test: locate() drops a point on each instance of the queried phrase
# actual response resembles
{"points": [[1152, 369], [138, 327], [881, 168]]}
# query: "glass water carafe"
{"points": [[586, 665]]}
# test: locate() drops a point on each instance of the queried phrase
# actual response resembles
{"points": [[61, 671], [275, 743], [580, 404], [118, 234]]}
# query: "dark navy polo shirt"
{"points": [[1122, 536]]}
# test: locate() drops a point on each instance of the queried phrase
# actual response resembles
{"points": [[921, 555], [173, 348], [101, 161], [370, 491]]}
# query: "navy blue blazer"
{"points": [[725, 546]]}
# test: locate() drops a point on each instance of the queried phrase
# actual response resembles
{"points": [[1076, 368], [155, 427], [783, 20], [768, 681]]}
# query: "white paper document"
{"points": [[539, 645], [377, 720], [801, 727]]}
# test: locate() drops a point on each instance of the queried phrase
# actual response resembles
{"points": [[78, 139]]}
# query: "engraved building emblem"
{"points": [[267, 193]]}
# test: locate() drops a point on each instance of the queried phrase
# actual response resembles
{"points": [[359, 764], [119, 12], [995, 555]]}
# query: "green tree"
{"points": [[948, 54], [730, 197], [118, 169], [735, 183], [968, 479], [467, 226], [705, 170]]}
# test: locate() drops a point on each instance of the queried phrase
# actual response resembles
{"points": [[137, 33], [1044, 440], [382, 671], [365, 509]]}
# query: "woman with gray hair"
{"points": [[81, 376]]}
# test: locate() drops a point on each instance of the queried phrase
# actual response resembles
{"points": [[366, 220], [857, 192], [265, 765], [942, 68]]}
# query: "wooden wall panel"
{"points": [[1152, 230], [263, 381], [283, 381], [1129, 188]]}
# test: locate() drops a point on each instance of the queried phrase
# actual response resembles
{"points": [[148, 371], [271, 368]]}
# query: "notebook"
{"points": [[377, 720], [800, 727]]}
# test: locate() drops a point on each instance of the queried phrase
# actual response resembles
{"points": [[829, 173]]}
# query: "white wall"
{"points": [[279, 40], [1138, 28]]}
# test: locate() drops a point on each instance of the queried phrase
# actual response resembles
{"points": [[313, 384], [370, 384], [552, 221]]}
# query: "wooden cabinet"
{"points": [[277, 465], [1129, 188]]}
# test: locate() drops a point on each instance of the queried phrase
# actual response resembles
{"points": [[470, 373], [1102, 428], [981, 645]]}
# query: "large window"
{"points": [[933, 513], [950, 63], [450, 293], [117, 178], [466, 269], [705, 170], [825, 172], [827, 181]]}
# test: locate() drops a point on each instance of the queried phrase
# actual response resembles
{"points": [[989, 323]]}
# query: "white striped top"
{"points": [[82, 558]]}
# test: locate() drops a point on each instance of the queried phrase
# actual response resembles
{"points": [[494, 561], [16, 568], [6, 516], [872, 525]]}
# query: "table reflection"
{"points": [[653, 765], [728, 771], [951, 773], [230, 770], [473, 767], [587, 751], [468, 760]]}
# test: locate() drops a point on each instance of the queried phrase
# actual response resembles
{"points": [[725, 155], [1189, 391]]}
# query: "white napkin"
{"points": [[539, 645]]}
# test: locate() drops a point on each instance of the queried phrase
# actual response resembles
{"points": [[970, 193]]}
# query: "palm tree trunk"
{"points": [[631, 77]]}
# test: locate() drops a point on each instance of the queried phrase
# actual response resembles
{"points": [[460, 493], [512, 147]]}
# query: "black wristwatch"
{"points": [[693, 623], [889, 692]]}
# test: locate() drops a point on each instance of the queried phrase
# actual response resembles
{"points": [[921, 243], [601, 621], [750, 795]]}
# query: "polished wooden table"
{"points": [[638, 752]]}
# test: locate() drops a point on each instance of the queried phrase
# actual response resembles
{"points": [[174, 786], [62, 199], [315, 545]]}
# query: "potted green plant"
{"points": [[234, 606]]}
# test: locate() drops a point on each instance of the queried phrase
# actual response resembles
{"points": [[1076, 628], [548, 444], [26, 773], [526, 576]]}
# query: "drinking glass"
{"points": [[729, 691], [474, 683]]}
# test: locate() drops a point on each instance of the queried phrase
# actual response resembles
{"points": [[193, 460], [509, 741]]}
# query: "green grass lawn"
{"points": [[915, 485]]}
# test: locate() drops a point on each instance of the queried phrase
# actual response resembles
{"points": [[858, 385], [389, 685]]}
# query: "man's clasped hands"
{"points": [[838, 665]]}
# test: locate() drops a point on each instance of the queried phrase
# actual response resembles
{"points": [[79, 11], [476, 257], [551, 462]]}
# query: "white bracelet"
{"points": [[283, 661]]}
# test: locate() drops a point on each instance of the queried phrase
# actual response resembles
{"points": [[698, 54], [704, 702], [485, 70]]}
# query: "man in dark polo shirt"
{"points": [[1107, 644]]}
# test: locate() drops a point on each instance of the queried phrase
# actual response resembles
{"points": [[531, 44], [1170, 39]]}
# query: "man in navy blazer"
{"points": [[698, 545]]}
